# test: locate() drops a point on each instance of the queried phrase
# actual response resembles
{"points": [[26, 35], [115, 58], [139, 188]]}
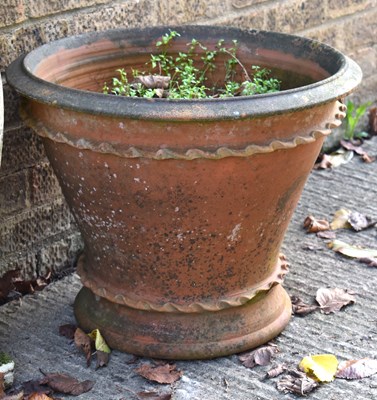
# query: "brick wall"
{"points": [[36, 229]]}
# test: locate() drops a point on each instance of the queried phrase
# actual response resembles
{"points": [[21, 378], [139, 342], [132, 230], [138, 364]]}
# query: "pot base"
{"points": [[171, 335]]}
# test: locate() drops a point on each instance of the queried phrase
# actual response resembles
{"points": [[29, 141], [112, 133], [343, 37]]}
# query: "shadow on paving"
{"points": [[29, 329]]}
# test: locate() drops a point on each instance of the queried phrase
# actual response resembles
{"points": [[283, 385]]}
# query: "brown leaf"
{"points": [[313, 225], [359, 221], [373, 121], [39, 396], [301, 308], [68, 331], [276, 371], [64, 383], [154, 395], [369, 261], [330, 235], [351, 146], [31, 387], [29, 287], [368, 159], [357, 369], [334, 160], [332, 300], [102, 359], [259, 356], [153, 81], [296, 382], [166, 373], [84, 342]]}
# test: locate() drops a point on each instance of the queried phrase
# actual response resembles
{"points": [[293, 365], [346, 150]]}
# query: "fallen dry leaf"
{"points": [[332, 300], [301, 308], [329, 235], [335, 159], [357, 369], [31, 387], [368, 159], [39, 396], [370, 262], [353, 147], [99, 341], [102, 359], [154, 396], [166, 373], [313, 225], [373, 121], [340, 220], [64, 383], [352, 251], [320, 367], [68, 331], [259, 356], [102, 349], [360, 222], [84, 342], [276, 371], [296, 382]]}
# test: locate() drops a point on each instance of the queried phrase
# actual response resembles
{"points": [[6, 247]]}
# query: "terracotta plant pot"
{"points": [[182, 204]]}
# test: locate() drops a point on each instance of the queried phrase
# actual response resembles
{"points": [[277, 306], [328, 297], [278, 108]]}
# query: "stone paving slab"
{"points": [[29, 329]]}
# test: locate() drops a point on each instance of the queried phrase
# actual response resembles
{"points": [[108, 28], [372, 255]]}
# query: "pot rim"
{"points": [[20, 76]]}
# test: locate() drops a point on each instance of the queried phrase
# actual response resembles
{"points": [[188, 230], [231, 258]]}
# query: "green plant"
{"points": [[352, 118], [5, 358], [184, 76]]}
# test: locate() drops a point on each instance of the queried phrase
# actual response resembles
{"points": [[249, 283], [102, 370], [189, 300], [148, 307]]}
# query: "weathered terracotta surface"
{"points": [[183, 205]]}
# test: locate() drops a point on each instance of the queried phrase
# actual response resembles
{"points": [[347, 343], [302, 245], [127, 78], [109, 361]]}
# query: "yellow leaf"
{"points": [[352, 251], [321, 367], [340, 220], [99, 341]]}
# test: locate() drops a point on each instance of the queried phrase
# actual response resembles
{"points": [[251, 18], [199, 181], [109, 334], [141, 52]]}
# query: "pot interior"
{"points": [[86, 62]]}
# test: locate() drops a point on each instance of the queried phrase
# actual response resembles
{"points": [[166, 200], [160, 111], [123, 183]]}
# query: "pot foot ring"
{"points": [[185, 335]]}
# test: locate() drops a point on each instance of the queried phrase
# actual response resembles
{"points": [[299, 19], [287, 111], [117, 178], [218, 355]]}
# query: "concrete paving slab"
{"points": [[29, 329]]}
